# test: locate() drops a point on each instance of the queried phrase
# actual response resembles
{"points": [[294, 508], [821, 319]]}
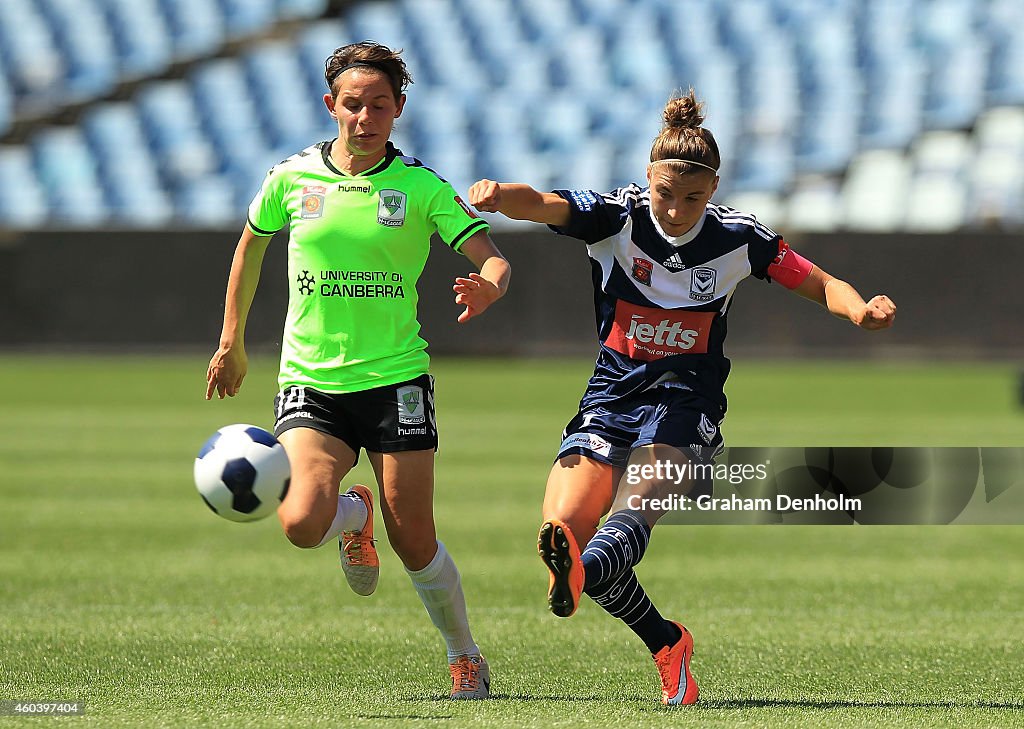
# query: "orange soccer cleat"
{"points": [[677, 684], [359, 559], [471, 678], [559, 551]]}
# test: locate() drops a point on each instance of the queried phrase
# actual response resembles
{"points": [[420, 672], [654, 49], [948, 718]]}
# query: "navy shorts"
{"points": [[384, 419], [609, 432]]}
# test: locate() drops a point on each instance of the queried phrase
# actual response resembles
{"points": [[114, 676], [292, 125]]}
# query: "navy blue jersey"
{"points": [[661, 302]]}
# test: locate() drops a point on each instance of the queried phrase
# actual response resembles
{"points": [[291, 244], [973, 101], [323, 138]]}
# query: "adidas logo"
{"points": [[674, 262]]}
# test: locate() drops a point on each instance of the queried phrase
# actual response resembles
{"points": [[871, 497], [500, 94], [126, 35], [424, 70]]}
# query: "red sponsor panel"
{"points": [[648, 334]]}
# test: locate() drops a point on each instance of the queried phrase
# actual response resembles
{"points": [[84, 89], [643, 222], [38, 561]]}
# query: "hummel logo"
{"points": [[674, 262]]}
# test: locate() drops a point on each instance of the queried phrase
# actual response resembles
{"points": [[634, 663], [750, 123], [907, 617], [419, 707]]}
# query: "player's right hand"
{"points": [[878, 313], [226, 371], [485, 196]]}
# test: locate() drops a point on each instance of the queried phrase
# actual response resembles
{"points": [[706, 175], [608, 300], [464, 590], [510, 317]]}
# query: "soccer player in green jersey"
{"points": [[354, 368]]}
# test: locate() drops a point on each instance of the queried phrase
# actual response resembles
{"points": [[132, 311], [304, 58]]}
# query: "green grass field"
{"points": [[119, 589]]}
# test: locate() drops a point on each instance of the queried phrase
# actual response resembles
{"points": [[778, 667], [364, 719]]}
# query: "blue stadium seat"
{"points": [[171, 124], [289, 111], [6, 104], [826, 142], [767, 163], [68, 177], [196, 26], [1005, 80], [293, 9], [209, 201], [126, 166], [956, 87], [84, 37], [22, 201], [243, 17], [25, 38], [144, 43], [896, 94], [228, 112], [495, 32], [315, 44]]}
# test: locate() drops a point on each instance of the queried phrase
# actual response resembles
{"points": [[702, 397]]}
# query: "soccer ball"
{"points": [[242, 472]]}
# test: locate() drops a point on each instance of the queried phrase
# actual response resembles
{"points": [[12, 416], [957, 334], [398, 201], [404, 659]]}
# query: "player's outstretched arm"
{"points": [[480, 290], [229, 363], [843, 301], [519, 202]]}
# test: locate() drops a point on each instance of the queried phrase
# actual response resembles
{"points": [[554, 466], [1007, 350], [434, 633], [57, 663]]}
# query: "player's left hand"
{"points": [[475, 293], [879, 313]]}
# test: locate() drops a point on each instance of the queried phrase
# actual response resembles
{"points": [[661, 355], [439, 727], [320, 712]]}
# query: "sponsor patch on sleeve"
{"points": [[583, 199]]}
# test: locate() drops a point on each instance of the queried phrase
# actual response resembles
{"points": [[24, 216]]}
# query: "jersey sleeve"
{"points": [[763, 246], [267, 213], [453, 219], [594, 216], [772, 259]]}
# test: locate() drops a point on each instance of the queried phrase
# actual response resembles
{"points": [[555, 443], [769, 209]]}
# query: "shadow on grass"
{"points": [[525, 698], [370, 717], [840, 704], [742, 704]]}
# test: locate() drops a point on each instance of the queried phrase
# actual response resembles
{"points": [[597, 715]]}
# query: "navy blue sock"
{"points": [[617, 546], [625, 599]]}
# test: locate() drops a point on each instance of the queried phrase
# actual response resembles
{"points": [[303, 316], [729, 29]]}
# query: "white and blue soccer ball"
{"points": [[242, 472]]}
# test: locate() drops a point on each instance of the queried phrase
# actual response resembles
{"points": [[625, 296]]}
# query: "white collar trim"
{"points": [[685, 237]]}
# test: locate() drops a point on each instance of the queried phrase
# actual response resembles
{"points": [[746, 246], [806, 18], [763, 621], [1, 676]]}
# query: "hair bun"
{"points": [[684, 112]]}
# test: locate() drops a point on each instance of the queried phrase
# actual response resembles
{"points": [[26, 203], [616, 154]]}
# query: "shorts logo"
{"points": [[642, 269], [702, 283], [410, 405], [591, 442], [313, 202], [391, 208], [707, 429]]}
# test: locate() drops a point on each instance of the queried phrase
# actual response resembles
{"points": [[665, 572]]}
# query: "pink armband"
{"points": [[789, 268]]}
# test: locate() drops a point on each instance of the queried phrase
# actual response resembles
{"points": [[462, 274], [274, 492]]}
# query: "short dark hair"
{"points": [[368, 54]]}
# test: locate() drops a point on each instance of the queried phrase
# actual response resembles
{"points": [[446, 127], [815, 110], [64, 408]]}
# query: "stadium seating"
{"points": [[874, 114]]}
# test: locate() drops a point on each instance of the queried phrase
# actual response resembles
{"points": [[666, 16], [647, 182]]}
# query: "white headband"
{"points": [[687, 161]]}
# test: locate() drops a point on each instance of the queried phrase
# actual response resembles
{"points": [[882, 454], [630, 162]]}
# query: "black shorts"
{"points": [[608, 433], [384, 419]]}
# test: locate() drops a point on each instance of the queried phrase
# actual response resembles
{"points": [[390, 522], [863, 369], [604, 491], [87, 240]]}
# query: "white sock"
{"points": [[351, 516], [440, 588]]}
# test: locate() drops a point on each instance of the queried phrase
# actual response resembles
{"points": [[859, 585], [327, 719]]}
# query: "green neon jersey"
{"points": [[357, 246]]}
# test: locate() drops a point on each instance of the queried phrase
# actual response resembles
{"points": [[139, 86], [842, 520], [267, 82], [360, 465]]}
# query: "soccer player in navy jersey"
{"points": [[665, 264]]}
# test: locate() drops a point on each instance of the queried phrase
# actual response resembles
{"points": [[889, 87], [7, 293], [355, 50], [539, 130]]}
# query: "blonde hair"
{"points": [[683, 142]]}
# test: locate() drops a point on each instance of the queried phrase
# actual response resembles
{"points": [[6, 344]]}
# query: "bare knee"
{"points": [[582, 523], [303, 529], [415, 550]]}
